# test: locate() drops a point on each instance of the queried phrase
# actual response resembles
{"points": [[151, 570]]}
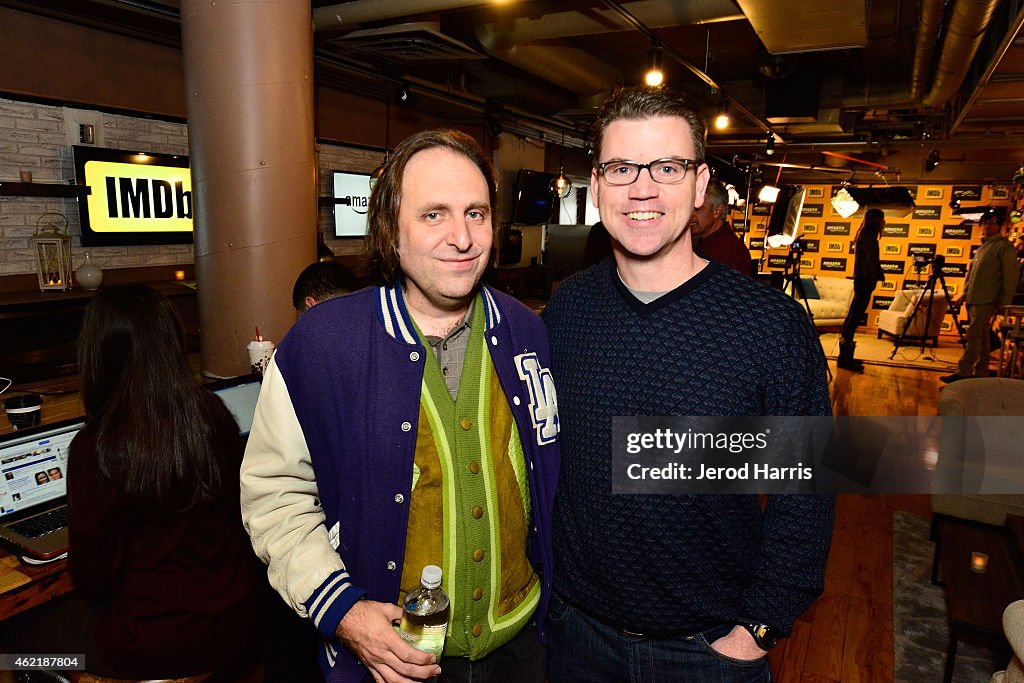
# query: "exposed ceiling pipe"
{"points": [[964, 33], [1008, 41], [929, 23], [965, 30]]}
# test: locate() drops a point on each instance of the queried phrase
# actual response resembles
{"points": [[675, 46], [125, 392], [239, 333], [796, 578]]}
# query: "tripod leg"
{"points": [[910, 321]]}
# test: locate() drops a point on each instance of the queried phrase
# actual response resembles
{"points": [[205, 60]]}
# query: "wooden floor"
{"points": [[847, 634]]}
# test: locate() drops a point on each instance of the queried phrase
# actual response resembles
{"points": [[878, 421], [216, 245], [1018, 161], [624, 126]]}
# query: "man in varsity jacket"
{"points": [[672, 587], [407, 424]]}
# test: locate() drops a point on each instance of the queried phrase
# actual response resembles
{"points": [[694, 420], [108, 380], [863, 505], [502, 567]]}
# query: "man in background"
{"points": [[408, 424], [716, 239], [321, 281], [991, 283], [672, 587]]}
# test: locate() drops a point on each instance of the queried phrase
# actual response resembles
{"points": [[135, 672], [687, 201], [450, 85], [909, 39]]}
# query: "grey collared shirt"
{"points": [[450, 351]]}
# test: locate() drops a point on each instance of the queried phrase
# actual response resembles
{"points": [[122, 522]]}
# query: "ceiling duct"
{"points": [[349, 14], [414, 42]]}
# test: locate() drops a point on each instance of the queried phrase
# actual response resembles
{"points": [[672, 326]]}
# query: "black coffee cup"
{"points": [[23, 411]]}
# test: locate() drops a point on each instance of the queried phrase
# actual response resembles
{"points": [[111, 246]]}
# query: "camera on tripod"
{"points": [[922, 261]]}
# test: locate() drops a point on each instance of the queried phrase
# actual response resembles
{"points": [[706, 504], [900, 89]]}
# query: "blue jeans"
{"points": [[583, 650]]}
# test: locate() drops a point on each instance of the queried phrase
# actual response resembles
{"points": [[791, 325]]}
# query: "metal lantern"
{"points": [[53, 252]]}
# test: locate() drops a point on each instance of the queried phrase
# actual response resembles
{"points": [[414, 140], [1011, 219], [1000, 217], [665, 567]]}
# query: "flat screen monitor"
{"points": [[133, 198], [533, 201], [351, 192]]}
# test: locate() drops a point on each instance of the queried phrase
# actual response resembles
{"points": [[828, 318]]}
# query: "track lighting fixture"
{"points": [[932, 161], [655, 76], [769, 145]]}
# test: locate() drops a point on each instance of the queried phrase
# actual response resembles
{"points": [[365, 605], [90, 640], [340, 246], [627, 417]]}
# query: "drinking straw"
{"points": [[258, 337]]}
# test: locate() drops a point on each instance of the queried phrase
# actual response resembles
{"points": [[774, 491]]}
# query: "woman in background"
{"points": [[156, 539], [867, 272]]}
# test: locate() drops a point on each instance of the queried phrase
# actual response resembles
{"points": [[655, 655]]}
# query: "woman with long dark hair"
{"points": [[867, 273], [156, 539]]}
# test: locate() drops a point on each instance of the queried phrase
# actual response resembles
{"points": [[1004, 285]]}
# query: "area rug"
{"points": [[874, 351], [920, 623]]}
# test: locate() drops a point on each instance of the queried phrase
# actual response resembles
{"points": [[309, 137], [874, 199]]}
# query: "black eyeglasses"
{"points": [[667, 171]]}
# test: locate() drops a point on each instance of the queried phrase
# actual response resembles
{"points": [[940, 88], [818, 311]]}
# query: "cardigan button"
{"points": [[478, 555], [478, 593], [391, 566], [515, 399], [399, 498], [406, 426], [494, 340], [465, 423], [477, 630], [478, 512], [414, 356], [474, 467]]}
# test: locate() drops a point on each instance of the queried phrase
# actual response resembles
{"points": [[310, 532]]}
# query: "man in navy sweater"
{"points": [[672, 587]]}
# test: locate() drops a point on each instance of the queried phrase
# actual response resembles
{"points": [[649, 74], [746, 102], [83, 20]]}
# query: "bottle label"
{"points": [[427, 638]]}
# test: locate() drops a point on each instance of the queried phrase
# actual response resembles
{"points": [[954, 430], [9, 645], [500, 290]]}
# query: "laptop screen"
{"points": [[239, 395], [33, 465]]}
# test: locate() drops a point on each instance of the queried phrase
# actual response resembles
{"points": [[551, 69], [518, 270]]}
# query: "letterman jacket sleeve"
{"points": [[282, 513]]}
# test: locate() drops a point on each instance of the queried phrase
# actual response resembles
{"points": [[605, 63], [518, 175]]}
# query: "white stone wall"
{"points": [[33, 138]]}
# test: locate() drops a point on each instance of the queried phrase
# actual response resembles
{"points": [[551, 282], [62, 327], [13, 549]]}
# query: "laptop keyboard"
{"points": [[43, 524]]}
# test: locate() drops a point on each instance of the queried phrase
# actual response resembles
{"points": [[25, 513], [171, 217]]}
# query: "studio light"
{"points": [[769, 146], [844, 204], [768, 194], [655, 76], [722, 120]]}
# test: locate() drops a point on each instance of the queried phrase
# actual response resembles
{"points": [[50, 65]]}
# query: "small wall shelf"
{"points": [[38, 190]]}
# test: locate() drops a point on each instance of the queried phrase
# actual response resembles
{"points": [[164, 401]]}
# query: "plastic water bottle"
{"points": [[425, 613]]}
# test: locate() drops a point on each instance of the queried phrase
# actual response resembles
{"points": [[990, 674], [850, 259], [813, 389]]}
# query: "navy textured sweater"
{"points": [[720, 344]]}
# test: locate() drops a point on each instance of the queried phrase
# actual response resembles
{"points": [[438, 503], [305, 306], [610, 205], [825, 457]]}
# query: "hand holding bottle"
{"points": [[367, 631]]}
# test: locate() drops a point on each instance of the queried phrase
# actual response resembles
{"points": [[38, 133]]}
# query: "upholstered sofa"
{"points": [[833, 300], [894, 321]]}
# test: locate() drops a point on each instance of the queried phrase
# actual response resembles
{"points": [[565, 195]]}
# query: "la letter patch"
{"points": [[543, 402]]}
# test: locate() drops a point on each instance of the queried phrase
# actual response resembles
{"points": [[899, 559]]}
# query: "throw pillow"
{"points": [[810, 288]]}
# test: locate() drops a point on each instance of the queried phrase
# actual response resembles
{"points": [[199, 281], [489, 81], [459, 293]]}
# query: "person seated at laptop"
{"points": [[167, 584], [321, 281]]}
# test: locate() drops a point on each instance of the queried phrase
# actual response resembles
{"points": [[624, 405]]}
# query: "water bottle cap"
{"points": [[431, 576]]}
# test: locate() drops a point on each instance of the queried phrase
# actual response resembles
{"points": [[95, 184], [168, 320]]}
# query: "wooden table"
{"points": [[976, 601], [23, 586]]}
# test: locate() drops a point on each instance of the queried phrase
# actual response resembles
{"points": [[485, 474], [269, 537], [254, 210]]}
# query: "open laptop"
{"points": [[239, 394], [33, 489]]}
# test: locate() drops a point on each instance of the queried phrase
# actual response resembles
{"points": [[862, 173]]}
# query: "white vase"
{"points": [[89, 275]]}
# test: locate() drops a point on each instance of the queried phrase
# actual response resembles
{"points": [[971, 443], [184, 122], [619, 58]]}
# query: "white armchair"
{"points": [[835, 296], [894, 321]]}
